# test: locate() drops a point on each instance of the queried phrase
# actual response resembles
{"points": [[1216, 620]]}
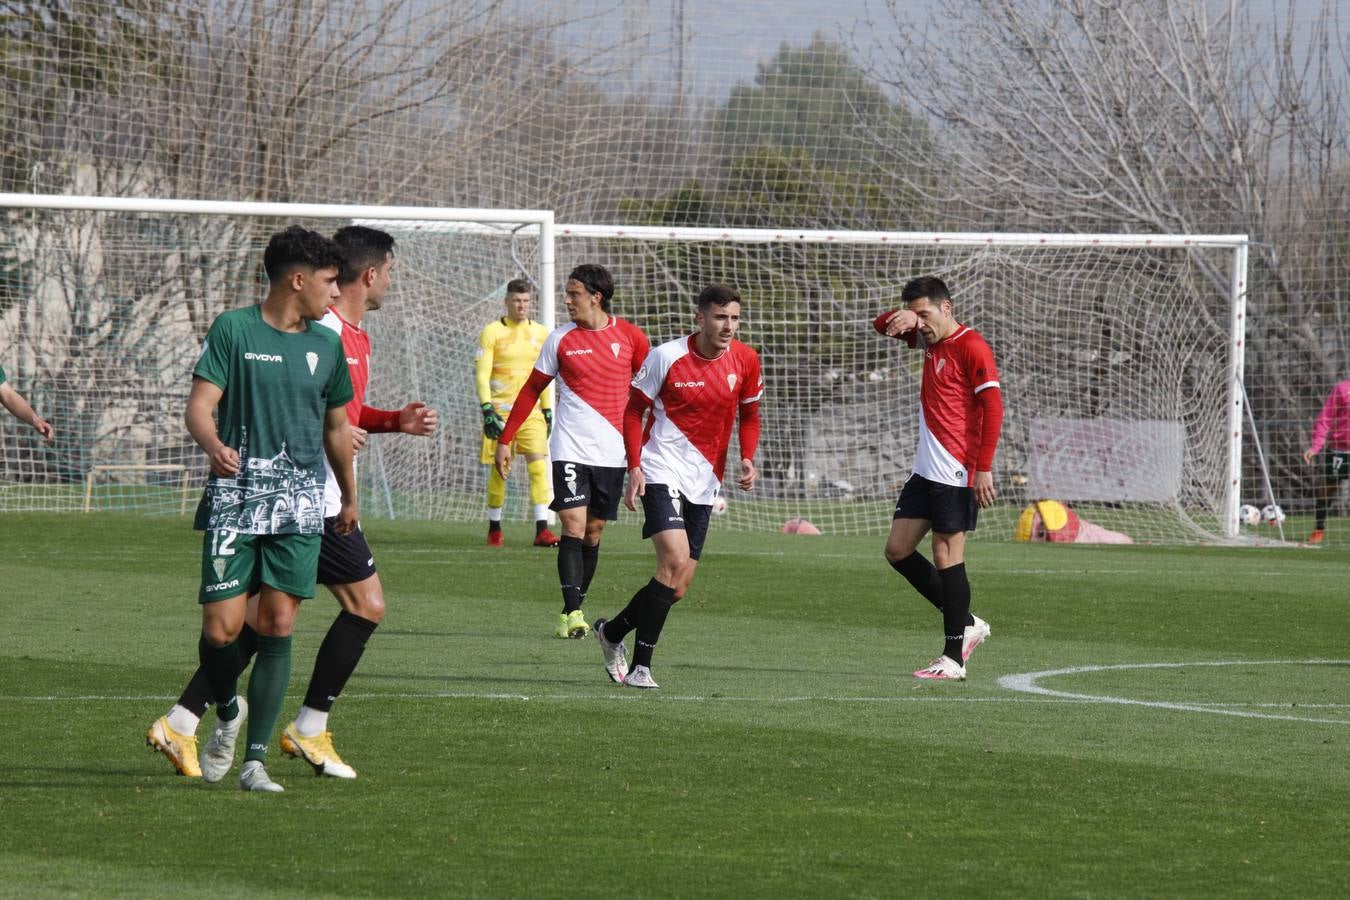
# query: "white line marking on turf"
{"points": [[605, 698], [1050, 698], [1027, 683]]}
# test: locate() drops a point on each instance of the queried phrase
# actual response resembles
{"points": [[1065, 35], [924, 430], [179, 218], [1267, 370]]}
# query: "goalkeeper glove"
{"points": [[548, 422], [493, 425]]}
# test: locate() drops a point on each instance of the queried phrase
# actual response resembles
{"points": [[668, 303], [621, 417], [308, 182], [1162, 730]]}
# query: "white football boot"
{"points": [[944, 668], [616, 655], [218, 752], [976, 635], [640, 677]]}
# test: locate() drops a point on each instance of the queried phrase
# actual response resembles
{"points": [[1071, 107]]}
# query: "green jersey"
{"points": [[2, 374], [278, 387]]}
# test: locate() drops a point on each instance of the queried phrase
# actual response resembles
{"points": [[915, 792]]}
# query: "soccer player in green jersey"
{"points": [[18, 407], [266, 405]]}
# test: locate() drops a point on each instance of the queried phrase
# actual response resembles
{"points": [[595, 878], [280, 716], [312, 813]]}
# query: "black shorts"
{"points": [[598, 488], [664, 509], [948, 508], [1337, 465], [344, 558]]}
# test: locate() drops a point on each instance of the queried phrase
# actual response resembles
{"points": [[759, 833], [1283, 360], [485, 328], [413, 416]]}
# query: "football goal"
{"points": [[104, 303], [1120, 356]]}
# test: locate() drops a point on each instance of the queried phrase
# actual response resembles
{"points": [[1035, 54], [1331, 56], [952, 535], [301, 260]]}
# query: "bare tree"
{"points": [[1158, 116]]}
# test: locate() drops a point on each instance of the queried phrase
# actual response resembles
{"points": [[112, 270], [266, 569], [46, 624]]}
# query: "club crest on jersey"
{"points": [[219, 566], [614, 345], [313, 359], [941, 363], [731, 380]]}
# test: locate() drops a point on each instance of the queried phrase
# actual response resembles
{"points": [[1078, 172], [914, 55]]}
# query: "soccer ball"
{"points": [[1249, 515], [719, 505], [1272, 514]]}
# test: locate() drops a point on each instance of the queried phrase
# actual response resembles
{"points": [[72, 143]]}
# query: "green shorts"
{"points": [[235, 563]]}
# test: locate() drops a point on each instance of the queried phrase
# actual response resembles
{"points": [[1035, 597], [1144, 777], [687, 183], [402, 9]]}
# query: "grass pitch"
{"points": [[788, 752]]}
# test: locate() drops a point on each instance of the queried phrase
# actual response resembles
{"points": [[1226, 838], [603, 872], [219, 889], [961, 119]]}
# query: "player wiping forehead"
{"points": [[960, 411], [696, 388], [592, 358]]}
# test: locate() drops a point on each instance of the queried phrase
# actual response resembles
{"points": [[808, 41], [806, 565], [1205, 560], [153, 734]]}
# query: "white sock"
{"points": [[311, 722], [183, 720], [540, 512], [494, 514]]}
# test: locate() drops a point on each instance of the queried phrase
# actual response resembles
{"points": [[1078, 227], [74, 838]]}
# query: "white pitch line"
{"points": [[1027, 683], [568, 698]]}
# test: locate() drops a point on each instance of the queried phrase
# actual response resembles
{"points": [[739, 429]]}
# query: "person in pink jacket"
{"points": [[1332, 431]]}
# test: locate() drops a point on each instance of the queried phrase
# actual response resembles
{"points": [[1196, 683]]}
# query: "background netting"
{"points": [[1135, 337], [103, 336], [1160, 116], [1133, 341]]}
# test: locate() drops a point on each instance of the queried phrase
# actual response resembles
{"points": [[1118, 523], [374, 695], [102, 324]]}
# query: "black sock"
{"points": [[1321, 505], [617, 628], [197, 695], [570, 572], [923, 575], [220, 665], [540, 525], [337, 658], [590, 555], [649, 627], [956, 610], [494, 526]]}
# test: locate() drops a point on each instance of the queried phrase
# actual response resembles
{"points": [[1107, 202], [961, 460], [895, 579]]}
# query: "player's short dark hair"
{"points": [[717, 295], [925, 286], [361, 248], [299, 248], [519, 286], [596, 279]]}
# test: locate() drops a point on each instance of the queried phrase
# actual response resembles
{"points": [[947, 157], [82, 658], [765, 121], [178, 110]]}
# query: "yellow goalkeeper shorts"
{"points": [[531, 438]]}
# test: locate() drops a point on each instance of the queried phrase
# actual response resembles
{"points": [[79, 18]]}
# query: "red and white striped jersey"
{"points": [[695, 402], [955, 370], [356, 347], [591, 369]]}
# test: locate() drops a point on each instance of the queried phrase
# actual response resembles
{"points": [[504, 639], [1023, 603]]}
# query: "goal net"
{"points": [[1119, 358], [104, 303]]}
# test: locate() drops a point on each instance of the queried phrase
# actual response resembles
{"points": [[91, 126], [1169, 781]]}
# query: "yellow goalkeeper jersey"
{"points": [[505, 357]]}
